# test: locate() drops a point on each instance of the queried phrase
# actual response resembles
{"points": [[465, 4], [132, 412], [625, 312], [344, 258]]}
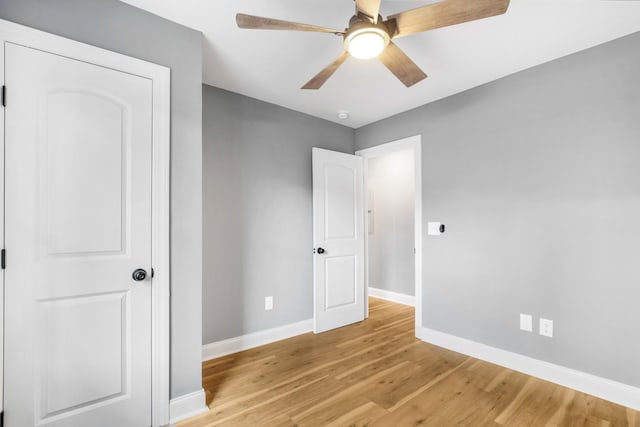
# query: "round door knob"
{"points": [[321, 251], [139, 275]]}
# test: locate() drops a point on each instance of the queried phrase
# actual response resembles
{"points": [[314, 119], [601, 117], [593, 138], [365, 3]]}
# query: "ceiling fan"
{"points": [[369, 36]]}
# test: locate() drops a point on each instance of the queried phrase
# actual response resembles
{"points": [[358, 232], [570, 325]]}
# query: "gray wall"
{"points": [[118, 27], [391, 235], [257, 212], [537, 178]]}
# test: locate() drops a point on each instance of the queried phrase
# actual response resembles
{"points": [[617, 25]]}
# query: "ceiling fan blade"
{"points": [[371, 8], [320, 78], [401, 65], [260, 23], [445, 13]]}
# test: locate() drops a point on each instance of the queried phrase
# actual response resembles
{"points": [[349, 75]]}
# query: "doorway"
{"points": [[393, 223]]}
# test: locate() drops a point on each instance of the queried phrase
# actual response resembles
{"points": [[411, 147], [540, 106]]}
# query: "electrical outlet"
{"points": [[268, 303], [546, 327], [526, 322]]}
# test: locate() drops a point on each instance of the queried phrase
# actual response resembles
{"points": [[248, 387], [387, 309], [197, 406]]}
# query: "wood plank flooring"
{"points": [[376, 373]]}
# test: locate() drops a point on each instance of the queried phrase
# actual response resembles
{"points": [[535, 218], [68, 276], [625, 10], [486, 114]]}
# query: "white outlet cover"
{"points": [[546, 327], [268, 303], [526, 322]]}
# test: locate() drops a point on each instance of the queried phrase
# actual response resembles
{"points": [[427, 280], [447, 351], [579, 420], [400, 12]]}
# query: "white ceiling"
{"points": [[273, 65]]}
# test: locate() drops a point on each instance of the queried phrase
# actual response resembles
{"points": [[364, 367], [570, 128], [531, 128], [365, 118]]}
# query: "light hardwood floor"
{"points": [[376, 373]]}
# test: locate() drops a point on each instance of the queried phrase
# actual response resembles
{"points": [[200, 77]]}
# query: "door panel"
{"points": [[84, 353], [78, 223], [340, 281], [338, 229], [86, 142], [340, 196]]}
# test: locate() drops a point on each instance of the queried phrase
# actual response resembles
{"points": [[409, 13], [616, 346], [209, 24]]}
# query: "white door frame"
{"points": [[411, 143], [160, 296]]}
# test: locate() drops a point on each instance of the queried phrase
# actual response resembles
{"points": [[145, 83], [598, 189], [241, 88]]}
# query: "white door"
{"points": [[338, 238], [78, 223]]}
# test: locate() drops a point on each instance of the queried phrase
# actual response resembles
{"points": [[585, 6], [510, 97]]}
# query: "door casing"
{"points": [[160, 187], [411, 143]]}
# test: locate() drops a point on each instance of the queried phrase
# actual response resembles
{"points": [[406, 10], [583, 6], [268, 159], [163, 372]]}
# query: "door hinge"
{"points": [[3, 260], [4, 96]]}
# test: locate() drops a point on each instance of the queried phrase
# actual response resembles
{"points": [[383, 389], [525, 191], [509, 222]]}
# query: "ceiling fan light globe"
{"points": [[366, 43]]}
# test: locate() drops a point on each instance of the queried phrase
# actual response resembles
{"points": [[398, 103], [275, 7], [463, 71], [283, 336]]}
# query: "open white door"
{"points": [[338, 239]]}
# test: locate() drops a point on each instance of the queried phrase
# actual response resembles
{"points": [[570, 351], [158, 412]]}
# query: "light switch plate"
{"points": [[268, 303], [433, 228], [546, 327], [526, 322]]}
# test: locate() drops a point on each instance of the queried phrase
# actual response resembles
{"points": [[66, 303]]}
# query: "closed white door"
{"points": [[78, 223], [338, 236]]}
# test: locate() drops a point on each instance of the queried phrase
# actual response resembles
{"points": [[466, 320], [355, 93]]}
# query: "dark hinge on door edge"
{"points": [[4, 104], [3, 259]]}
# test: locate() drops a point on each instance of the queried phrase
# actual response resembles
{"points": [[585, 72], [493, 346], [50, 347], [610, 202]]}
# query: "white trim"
{"points": [[161, 247], [187, 406], [365, 207], [256, 339], [603, 388], [2, 222], [160, 78], [404, 299], [415, 143]]}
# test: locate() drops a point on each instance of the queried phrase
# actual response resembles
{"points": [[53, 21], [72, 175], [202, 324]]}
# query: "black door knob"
{"points": [[139, 275], [321, 251]]}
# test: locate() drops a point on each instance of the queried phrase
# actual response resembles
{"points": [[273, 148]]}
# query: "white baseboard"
{"points": [[603, 388], [393, 296], [256, 339], [187, 406]]}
